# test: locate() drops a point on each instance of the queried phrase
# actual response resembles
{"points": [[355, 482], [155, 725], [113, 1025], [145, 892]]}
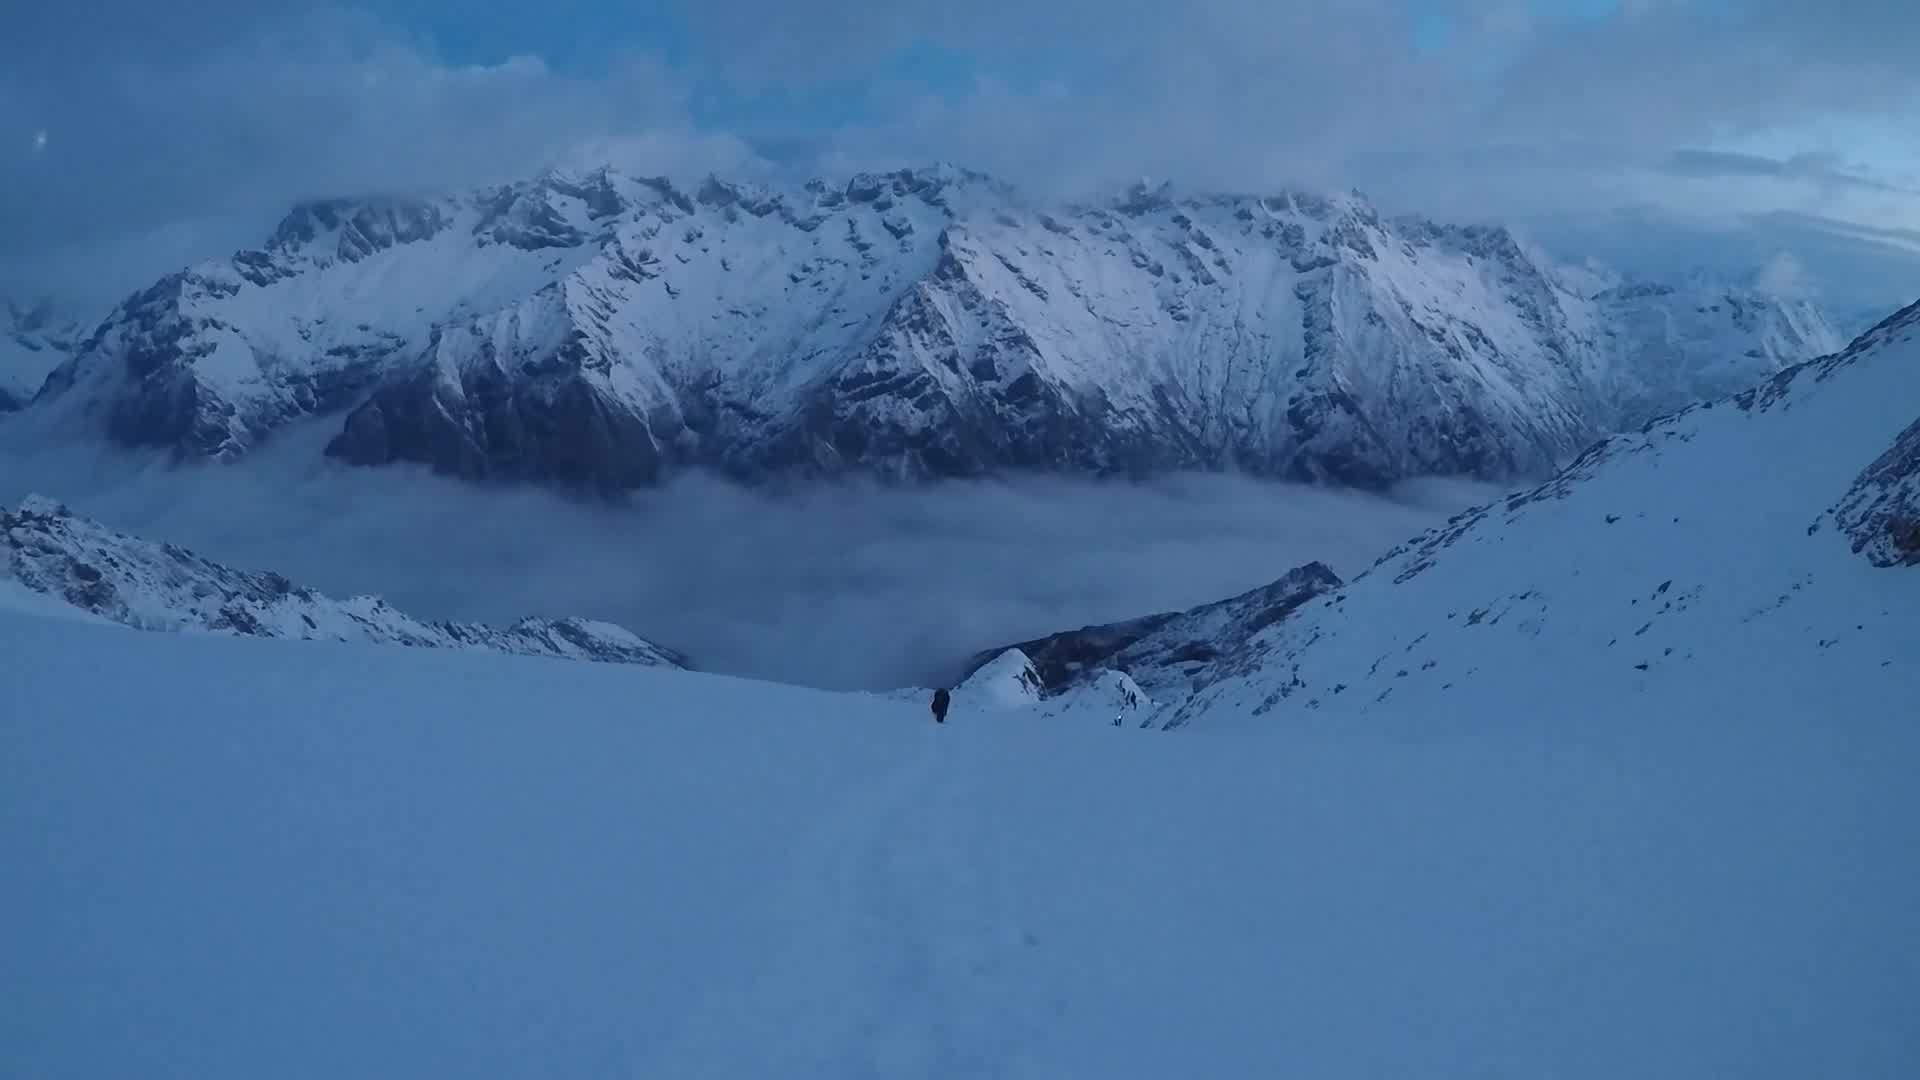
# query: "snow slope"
{"points": [[600, 330], [68, 559], [233, 858], [1771, 530]]}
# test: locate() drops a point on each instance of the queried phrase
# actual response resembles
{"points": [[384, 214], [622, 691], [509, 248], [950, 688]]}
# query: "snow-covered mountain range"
{"points": [[599, 330], [1774, 529], [150, 586]]}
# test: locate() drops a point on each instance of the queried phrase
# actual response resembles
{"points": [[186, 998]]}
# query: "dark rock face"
{"points": [[1175, 653], [561, 429], [527, 219], [162, 401], [363, 226], [1881, 513], [931, 398], [163, 587], [172, 408], [166, 404]]}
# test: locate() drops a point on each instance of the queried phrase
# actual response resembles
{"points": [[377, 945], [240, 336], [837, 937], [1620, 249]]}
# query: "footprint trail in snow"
{"points": [[891, 952]]}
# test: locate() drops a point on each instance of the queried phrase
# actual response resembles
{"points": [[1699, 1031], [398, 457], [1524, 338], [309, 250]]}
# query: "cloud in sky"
{"points": [[231, 131], [1818, 168], [182, 130]]}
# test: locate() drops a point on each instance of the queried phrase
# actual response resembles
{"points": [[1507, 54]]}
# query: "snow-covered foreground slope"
{"points": [[68, 559], [603, 331], [234, 858], [1775, 529]]}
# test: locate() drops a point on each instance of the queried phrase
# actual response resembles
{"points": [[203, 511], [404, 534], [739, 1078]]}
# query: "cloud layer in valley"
{"points": [[1769, 138], [841, 586]]}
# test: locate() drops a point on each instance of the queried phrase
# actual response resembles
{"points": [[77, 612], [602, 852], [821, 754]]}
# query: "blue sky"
{"points": [[1690, 128]]}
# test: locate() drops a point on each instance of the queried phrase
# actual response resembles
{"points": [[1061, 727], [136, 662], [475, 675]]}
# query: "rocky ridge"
{"points": [[149, 586], [599, 330]]}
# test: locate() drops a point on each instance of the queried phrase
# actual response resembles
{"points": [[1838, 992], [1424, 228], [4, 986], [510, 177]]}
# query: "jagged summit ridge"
{"points": [[47, 549], [599, 330]]}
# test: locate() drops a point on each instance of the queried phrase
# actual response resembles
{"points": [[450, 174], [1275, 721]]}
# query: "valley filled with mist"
{"points": [[842, 586]]}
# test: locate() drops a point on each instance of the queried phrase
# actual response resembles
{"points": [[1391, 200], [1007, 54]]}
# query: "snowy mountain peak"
{"points": [[353, 229], [1011, 682], [1008, 681], [933, 185], [149, 586], [599, 330], [1143, 197]]}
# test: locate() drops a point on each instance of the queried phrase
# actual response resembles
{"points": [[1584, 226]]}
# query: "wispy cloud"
{"points": [[197, 150], [1820, 169], [187, 120]]}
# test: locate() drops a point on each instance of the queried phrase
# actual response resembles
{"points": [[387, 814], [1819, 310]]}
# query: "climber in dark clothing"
{"points": [[940, 699]]}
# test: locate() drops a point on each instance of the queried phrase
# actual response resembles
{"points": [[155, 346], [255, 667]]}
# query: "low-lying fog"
{"points": [[847, 586]]}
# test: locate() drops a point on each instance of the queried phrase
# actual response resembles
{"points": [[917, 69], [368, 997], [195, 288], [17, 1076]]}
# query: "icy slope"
{"points": [[231, 858], [600, 330], [1764, 531], [150, 586]]}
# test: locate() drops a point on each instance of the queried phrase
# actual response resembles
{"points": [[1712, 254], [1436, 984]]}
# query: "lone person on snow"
{"points": [[940, 699]]}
